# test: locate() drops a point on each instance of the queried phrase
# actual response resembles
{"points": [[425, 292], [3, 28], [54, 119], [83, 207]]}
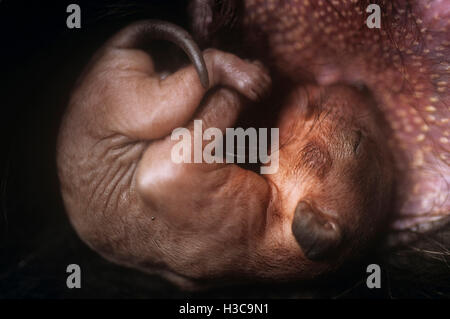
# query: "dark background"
{"points": [[40, 60]]}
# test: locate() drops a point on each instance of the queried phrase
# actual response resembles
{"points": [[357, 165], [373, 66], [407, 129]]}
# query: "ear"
{"points": [[209, 17], [316, 234]]}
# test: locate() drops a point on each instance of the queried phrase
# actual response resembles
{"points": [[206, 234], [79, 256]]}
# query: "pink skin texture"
{"points": [[205, 224]]}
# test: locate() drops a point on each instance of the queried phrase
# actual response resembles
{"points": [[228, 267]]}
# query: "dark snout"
{"points": [[316, 234]]}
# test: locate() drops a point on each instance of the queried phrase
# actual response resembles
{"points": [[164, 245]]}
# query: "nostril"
{"points": [[316, 234]]}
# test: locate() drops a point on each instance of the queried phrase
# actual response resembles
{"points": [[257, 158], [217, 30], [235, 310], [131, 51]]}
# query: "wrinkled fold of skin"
{"points": [[198, 224], [119, 111]]}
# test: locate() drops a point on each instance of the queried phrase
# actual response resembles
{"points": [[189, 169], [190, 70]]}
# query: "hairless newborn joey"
{"points": [[200, 224]]}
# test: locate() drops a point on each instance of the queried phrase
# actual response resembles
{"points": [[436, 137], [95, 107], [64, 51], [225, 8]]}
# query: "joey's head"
{"points": [[334, 183]]}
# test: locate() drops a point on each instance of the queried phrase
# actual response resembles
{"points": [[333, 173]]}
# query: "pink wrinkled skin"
{"points": [[198, 224]]}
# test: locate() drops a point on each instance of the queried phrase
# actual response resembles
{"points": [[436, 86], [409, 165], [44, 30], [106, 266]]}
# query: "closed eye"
{"points": [[359, 136], [314, 157]]}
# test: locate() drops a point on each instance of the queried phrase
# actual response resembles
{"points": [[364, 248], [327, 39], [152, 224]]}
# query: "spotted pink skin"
{"points": [[405, 64]]}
